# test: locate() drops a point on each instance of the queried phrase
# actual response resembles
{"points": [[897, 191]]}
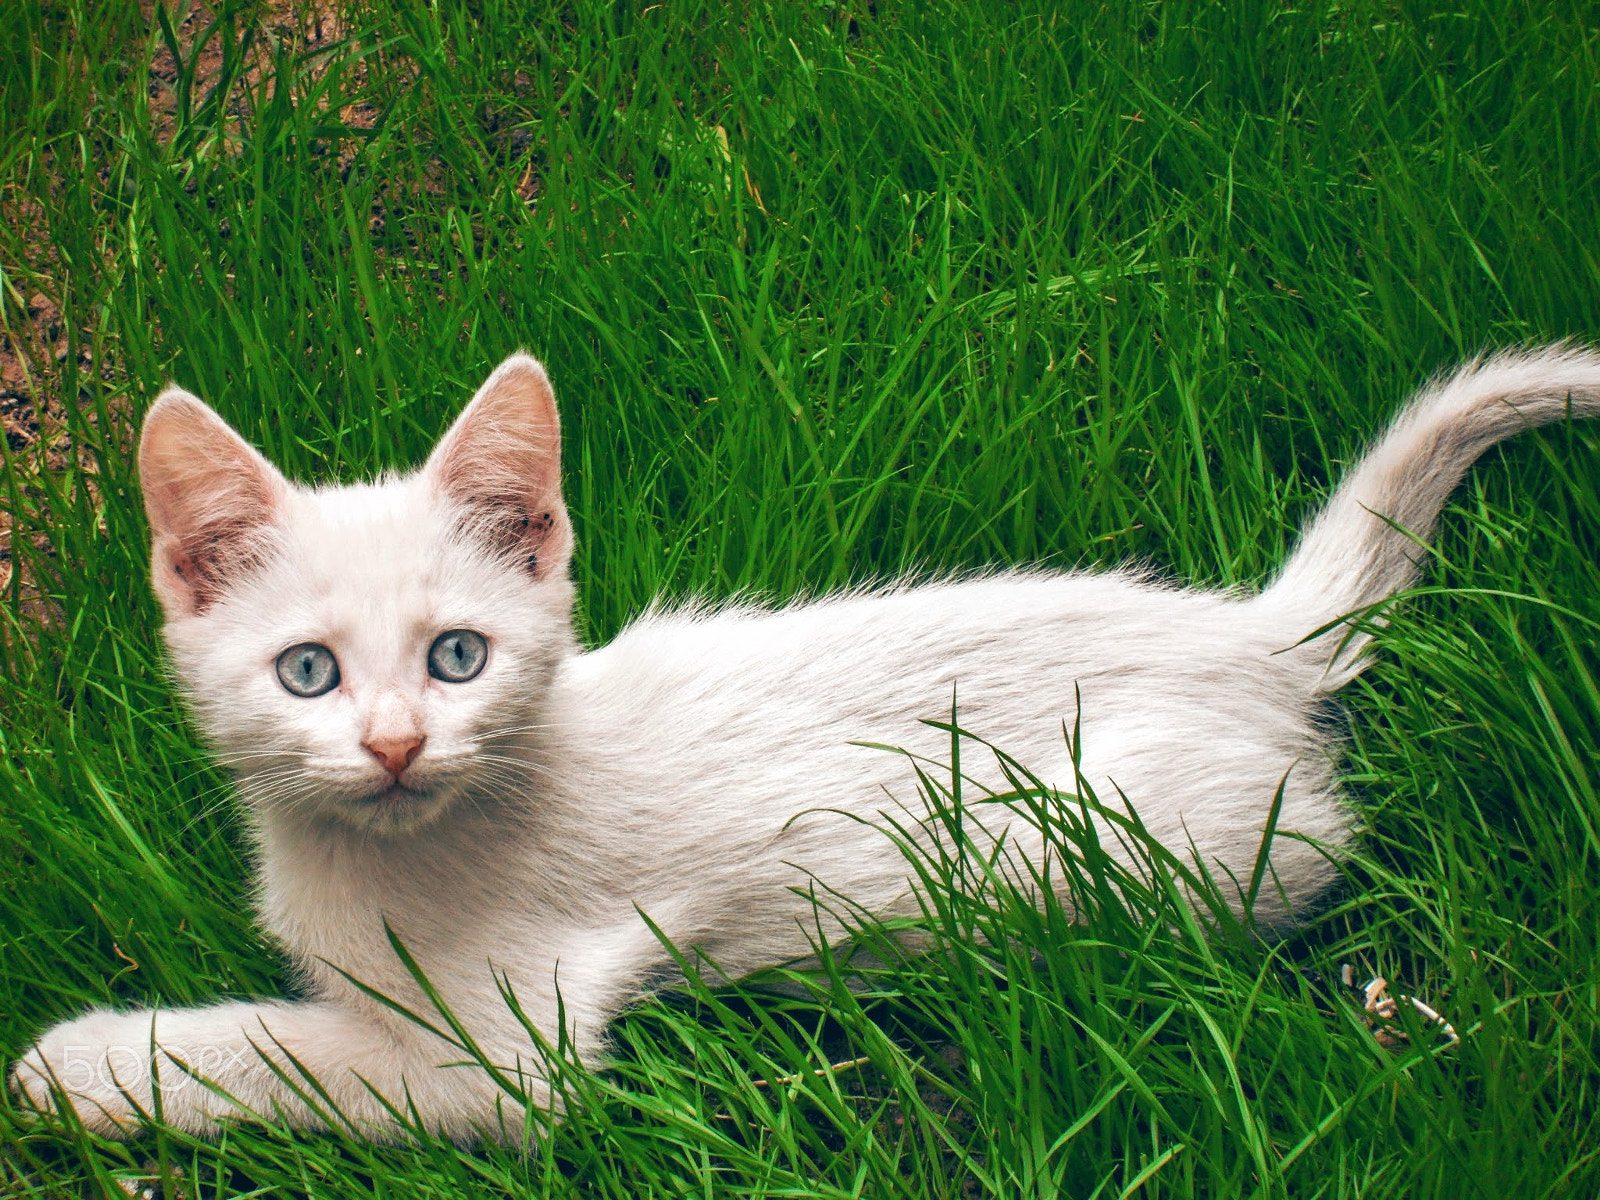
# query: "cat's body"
{"points": [[511, 826]]}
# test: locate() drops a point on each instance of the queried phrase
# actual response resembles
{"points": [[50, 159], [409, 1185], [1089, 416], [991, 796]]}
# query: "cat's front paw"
{"points": [[100, 1062]]}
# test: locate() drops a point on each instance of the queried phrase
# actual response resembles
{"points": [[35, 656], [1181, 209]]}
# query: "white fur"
{"points": [[688, 768]]}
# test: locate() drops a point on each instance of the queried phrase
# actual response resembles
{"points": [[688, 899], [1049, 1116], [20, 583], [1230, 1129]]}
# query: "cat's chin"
{"points": [[397, 808]]}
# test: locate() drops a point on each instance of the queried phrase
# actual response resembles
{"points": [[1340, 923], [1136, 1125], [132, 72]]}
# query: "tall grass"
{"points": [[829, 294]]}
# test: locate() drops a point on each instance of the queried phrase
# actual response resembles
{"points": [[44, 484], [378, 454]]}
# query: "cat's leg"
{"points": [[103, 1063]]}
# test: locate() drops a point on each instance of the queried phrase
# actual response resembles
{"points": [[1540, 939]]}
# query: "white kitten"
{"points": [[391, 674]]}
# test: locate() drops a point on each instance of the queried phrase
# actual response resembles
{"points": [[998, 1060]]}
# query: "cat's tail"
{"points": [[1364, 545]]}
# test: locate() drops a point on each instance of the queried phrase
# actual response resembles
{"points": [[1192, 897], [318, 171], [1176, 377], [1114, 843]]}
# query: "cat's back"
{"points": [[731, 738], [1016, 653]]}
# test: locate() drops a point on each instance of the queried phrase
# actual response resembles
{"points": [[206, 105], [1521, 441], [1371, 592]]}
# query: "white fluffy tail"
{"points": [[1363, 547]]}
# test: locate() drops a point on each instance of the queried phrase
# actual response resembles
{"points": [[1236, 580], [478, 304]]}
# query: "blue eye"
{"points": [[457, 656], [308, 669]]}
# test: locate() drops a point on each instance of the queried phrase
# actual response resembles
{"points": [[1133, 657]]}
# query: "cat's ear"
{"points": [[211, 499], [501, 461]]}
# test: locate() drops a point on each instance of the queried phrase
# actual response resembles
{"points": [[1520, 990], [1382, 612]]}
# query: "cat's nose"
{"points": [[395, 753]]}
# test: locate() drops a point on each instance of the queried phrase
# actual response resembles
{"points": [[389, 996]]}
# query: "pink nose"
{"points": [[395, 753]]}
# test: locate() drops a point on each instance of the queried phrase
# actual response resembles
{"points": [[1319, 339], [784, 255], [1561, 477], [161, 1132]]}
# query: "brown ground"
{"points": [[34, 338], [41, 326]]}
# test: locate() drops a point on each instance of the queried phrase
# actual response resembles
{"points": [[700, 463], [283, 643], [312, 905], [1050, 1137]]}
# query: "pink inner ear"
{"points": [[211, 500], [501, 461]]}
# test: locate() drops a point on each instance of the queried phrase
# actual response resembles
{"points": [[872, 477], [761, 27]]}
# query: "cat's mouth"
{"points": [[399, 807], [396, 793]]}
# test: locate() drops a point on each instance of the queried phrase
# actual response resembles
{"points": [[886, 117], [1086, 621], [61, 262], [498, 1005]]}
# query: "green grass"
{"points": [[830, 293]]}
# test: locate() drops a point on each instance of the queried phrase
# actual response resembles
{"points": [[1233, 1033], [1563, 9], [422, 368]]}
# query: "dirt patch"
{"points": [[34, 346], [39, 440], [206, 73], [205, 64], [202, 76]]}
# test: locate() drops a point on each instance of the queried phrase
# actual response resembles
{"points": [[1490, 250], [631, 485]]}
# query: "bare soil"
{"points": [[35, 340]]}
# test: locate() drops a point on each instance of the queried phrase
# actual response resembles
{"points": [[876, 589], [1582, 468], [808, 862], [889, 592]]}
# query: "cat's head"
{"points": [[367, 653]]}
